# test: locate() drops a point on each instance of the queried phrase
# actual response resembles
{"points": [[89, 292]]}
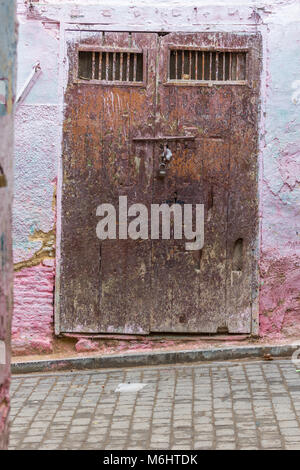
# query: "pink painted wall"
{"points": [[33, 308], [38, 144], [7, 89]]}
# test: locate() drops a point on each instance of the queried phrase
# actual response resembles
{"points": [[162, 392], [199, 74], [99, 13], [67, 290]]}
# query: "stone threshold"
{"points": [[154, 358]]}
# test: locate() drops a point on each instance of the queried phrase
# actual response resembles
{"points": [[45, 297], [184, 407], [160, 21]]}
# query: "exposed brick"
{"points": [[32, 328]]}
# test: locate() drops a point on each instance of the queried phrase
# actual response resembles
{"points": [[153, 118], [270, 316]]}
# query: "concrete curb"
{"points": [[153, 358]]}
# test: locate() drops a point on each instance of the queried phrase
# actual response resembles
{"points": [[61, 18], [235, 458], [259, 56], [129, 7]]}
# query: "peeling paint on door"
{"points": [[113, 129]]}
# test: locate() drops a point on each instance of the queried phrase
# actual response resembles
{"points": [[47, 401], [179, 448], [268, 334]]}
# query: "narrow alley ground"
{"points": [[229, 405]]}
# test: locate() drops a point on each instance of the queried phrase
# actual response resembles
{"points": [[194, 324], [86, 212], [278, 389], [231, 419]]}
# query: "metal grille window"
{"points": [[111, 66], [207, 66]]}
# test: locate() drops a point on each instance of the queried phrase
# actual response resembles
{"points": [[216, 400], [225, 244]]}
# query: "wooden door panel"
{"points": [[223, 118], [100, 121], [196, 300]]}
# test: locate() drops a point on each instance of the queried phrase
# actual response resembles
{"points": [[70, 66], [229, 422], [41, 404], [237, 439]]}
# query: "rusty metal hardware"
{"points": [[165, 159], [162, 170], [125, 66], [164, 138], [212, 65]]}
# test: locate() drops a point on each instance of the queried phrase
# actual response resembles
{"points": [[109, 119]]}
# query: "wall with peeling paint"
{"points": [[36, 156], [38, 148], [7, 89]]}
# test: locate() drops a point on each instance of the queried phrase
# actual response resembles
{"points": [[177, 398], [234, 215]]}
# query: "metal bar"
{"points": [[224, 73], [202, 78], [110, 82], [134, 67], [121, 66], [165, 137], [208, 48], [176, 64], [217, 66], [196, 65], [100, 65], [210, 64], [127, 67], [114, 67], [93, 65], [33, 76], [200, 82], [190, 64], [237, 66], [230, 65], [106, 65], [91, 48], [182, 65]]}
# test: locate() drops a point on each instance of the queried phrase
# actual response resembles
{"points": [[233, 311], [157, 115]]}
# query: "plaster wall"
{"points": [[38, 145], [36, 157]]}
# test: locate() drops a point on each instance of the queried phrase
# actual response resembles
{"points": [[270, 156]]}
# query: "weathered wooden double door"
{"points": [[126, 95]]}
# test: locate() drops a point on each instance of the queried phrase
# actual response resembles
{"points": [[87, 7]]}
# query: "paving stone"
{"points": [[250, 405], [288, 424], [225, 446], [271, 443]]}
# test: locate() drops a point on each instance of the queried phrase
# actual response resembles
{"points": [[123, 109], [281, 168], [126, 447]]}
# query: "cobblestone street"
{"points": [[242, 405]]}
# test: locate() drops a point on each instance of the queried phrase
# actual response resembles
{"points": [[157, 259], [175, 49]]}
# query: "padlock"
{"points": [[162, 170]]}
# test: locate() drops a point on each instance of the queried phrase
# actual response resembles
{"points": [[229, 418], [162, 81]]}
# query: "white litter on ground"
{"points": [[129, 388]]}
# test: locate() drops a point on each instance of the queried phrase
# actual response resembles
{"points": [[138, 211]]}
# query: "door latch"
{"points": [[165, 159]]}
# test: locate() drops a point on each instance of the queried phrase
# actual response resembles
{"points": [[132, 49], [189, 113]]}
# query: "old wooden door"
{"points": [[126, 95]]}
